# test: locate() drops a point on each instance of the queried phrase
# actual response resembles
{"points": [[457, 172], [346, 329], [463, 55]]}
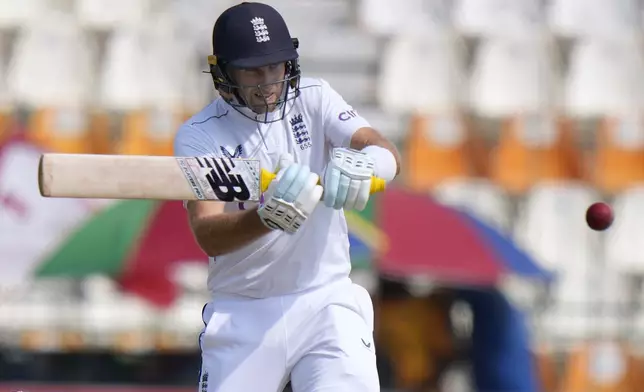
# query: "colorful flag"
{"points": [[30, 225], [366, 239]]}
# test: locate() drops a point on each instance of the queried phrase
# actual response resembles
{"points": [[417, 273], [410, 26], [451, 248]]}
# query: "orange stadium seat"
{"points": [[72, 341], [60, 130], [618, 162], [131, 342], [547, 370], [439, 148], [600, 367], [101, 133], [533, 150], [149, 133]]}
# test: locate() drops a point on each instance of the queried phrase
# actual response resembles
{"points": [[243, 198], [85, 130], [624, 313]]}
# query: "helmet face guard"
{"points": [[224, 82]]}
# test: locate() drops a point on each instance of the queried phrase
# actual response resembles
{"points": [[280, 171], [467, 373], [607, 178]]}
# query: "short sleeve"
{"points": [[340, 120], [189, 143]]}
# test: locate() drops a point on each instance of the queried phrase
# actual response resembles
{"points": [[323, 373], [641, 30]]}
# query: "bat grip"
{"points": [[266, 177]]}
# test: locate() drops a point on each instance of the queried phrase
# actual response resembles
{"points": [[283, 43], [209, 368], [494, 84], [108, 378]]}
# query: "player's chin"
{"points": [[264, 108]]}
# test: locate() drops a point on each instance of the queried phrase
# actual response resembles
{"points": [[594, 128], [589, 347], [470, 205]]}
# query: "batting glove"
{"points": [[347, 179], [290, 198]]}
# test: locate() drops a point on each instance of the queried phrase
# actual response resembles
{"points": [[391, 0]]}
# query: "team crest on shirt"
{"points": [[237, 153], [300, 132]]}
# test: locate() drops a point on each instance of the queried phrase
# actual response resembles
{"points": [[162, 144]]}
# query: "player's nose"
{"points": [[267, 89]]}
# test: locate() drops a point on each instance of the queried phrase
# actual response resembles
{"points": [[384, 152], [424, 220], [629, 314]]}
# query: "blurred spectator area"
{"points": [[521, 111]]}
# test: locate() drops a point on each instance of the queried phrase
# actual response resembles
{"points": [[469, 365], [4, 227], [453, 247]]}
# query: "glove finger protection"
{"points": [[290, 199], [362, 197], [291, 182], [285, 160], [347, 179], [331, 186], [343, 191], [310, 196], [352, 195], [298, 184]]}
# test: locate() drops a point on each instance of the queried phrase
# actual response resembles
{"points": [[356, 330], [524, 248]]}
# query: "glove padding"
{"points": [[290, 198], [347, 179]]}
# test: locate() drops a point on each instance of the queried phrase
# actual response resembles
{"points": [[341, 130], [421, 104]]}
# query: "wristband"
{"points": [[384, 162]]}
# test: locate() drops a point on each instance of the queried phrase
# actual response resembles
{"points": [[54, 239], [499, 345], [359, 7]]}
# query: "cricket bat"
{"points": [[89, 176]]}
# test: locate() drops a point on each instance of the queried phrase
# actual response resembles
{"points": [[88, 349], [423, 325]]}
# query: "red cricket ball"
{"points": [[599, 216]]}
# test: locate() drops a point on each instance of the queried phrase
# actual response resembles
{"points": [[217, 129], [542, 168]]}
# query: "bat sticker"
{"points": [[223, 179]]}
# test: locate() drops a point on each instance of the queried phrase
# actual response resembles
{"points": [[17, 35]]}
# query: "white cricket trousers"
{"points": [[320, 340]]}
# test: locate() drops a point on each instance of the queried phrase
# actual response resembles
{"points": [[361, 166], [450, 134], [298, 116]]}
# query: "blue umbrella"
{"points": [[512, 258]]}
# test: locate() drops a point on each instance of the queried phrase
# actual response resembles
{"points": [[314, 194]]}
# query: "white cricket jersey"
{"points": [[279, 263]]}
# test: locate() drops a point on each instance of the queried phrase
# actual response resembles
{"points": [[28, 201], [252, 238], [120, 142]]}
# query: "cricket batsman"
{"points": [[283, 307]]}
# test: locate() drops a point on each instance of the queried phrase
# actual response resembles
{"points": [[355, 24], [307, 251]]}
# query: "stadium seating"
{"points": [[479, 197], [622, 251], [16, 14], [133, 334], [605, 76], [104, 303], [411, 17], [433, 65], [584, 18], [438, 148], [550, 226], [45, 315], [122, 79], [618, 161], [151, 79], [52, 72], [149, 132], [485, 18], [101, 305], [393, 126], [196, 19], [328, 14], [547, 369], [514, 75], [555, 87], [534, 148], [66, 77], [625, 261], [347, 46], [602, 366], [111, 14], [179, 326]]}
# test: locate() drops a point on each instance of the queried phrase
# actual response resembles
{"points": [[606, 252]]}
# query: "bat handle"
{"points": [[377, 184]]}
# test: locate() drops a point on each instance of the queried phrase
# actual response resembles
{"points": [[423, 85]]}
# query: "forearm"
{"points": [[365, 137], [227, 232]]}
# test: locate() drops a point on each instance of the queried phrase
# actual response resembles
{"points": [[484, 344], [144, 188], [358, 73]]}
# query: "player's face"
{"points": [[261, 88]]}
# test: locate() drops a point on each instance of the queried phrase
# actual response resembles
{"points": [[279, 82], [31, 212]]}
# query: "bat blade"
{"points": [[92, 176]]}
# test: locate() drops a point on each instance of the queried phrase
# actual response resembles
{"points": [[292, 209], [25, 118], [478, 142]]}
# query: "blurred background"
{"points": [[512, 116]]}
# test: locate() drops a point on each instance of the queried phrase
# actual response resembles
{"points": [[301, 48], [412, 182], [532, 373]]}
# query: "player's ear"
{"points": [[225, 95]]}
